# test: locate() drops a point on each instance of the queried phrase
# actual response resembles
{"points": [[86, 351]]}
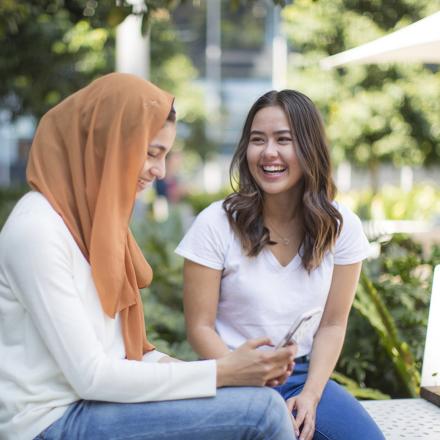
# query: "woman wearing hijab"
{"points": [[75, 360]]}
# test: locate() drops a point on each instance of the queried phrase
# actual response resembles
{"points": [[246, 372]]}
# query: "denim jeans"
{"points": [[234, 414], [339, 416]]}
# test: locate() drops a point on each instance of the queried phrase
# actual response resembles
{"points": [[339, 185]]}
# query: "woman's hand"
{"points": [[281, 379], [249, 366], [305, 405]]}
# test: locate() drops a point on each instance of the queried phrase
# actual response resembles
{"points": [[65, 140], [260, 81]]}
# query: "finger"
{"points": [[300, 416], [290, 367], [258, 342], [287, 353], [283, 377], [281, 380], [291, 403], [273, 383], [295, 425], [292, 348], [308, 428]]}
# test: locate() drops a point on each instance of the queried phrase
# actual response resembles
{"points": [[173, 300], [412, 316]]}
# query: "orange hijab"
{"points": [[85, 159]]}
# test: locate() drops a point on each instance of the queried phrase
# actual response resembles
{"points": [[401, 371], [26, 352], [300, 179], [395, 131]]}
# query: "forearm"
{"points": [[206, 342], [326, 349]]}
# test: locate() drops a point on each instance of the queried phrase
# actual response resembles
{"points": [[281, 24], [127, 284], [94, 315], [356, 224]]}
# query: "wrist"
{"points": [[220, 373], [314, 393], [223, 373]]}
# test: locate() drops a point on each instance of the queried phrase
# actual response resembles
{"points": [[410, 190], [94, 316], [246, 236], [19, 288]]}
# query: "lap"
{"points": [[235, 413], [339, 416]]}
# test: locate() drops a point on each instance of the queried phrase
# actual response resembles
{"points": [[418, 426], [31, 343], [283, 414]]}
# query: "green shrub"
{"points": [[392, 203], [163, 307], [199, 201], [8, 198], [387, 326]]}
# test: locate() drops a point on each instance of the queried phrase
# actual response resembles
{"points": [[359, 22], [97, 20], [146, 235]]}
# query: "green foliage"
{"points": [[8, 199], [164, 318], [199, 201], [387, 326], [49, 49], [374, 113], [353, 388], [392, 203], [172, 70]]}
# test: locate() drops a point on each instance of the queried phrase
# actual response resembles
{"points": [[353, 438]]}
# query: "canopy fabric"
{"points": [[418, 42]]}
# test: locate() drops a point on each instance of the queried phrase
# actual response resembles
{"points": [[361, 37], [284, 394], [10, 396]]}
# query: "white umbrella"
{"points": [[418, 42]]}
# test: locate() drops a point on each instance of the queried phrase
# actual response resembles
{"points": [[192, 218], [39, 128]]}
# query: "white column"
{"points": [[343, 176], [213, 54], [279, 53], [132, 48], [406, 178]]}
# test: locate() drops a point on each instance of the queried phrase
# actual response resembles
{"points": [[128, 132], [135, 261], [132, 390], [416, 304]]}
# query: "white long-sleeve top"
{"points": [[56, 344]]}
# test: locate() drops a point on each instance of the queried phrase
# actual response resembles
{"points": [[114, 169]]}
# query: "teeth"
{"points": [[273, 168]]}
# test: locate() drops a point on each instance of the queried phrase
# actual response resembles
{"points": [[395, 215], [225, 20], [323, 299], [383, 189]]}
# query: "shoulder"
{"points": [[351, 245], [215, 209], [349, 218], [32, 224], [213, 216]]}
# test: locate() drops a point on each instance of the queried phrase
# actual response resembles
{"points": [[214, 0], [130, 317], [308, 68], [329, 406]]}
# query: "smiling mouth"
{"points": [[142, 183], [273, 169]]}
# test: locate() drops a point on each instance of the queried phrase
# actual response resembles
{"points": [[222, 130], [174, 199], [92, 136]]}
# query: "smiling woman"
{"points": [[158, 149], [274, 250]]}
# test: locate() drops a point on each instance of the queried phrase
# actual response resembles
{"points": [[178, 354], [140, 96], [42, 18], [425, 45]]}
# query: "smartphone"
{"points": [[297, 327]]}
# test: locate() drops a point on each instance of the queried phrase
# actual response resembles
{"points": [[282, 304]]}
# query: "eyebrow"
{"points": [[276, 132]]}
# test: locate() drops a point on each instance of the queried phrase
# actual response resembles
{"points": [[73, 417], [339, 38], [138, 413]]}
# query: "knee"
{"points": [[275, 404], [273, 416]]}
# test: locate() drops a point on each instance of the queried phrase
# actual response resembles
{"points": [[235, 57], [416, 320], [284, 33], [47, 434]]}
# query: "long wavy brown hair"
{"points": [[322, 222]]}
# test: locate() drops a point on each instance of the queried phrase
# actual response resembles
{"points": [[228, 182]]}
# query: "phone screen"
{"points": [[297, 328]]}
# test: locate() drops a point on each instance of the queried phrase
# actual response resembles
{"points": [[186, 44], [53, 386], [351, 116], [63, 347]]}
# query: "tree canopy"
{"points": [[373, 113]]}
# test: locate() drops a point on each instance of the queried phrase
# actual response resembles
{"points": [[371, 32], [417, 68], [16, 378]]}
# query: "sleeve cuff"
{"points": [[196, 259], [153, 356]]}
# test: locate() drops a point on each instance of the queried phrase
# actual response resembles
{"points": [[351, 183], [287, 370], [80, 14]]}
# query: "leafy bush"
{"points": [[163, 307], [199, 201], [387, 326], [392, 203], [8, 198]]}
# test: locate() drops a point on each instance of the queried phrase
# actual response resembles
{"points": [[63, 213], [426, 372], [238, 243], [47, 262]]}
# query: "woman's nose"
{"points": [[159, 171], [271, 149]]}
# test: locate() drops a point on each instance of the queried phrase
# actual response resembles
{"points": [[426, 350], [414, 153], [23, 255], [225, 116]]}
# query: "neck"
{"points": [[282, 208]]}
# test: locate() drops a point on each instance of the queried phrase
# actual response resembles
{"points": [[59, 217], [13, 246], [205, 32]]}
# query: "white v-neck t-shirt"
{"points": [[258, 296]]}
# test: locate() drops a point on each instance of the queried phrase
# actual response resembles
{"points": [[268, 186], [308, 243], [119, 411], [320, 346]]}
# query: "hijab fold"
{"points": [[85, 159]]}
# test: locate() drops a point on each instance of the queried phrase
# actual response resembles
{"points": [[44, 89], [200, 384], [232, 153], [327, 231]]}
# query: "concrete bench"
{"points": [[415, 419]]}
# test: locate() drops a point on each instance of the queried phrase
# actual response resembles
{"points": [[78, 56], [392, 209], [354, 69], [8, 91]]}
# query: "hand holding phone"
{"points": [[297, 328]]}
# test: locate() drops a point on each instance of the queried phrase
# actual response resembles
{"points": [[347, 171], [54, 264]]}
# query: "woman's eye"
{"points": [[257, 140], [284, 140]]}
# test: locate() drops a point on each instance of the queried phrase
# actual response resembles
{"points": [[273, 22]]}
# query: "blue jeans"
{"points": [[234, 414], [339, 416]]}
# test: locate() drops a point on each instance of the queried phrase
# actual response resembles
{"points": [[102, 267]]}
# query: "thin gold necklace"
{"points": [[284, 240]]}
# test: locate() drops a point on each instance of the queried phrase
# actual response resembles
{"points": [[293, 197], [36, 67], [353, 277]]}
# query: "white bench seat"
{"points": [[409, 419]]}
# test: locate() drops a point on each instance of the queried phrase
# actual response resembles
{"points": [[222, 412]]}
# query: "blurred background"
{"points": [[218, 56]]}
